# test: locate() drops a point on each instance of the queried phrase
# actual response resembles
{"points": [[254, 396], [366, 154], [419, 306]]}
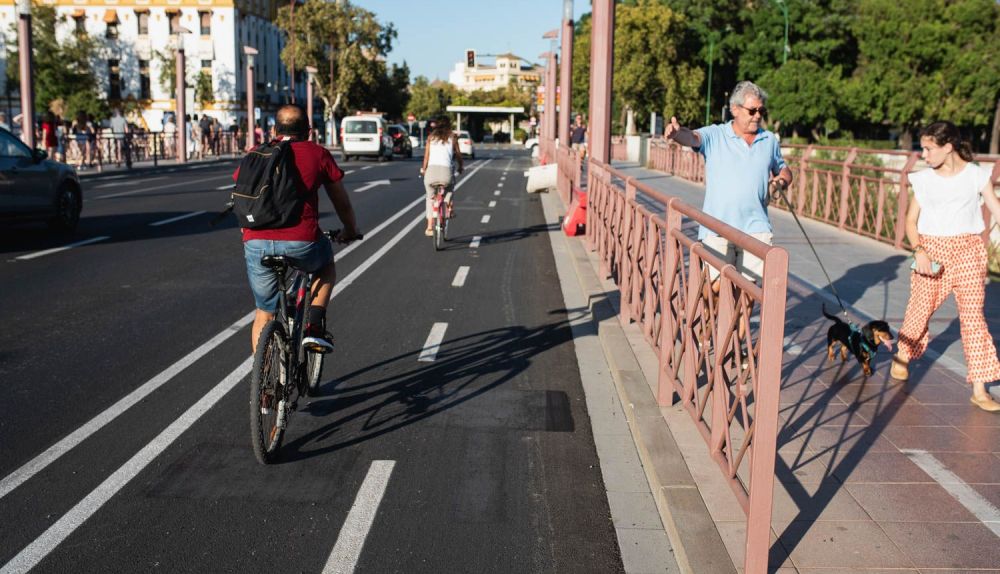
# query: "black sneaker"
{"points": [[316, 340]]}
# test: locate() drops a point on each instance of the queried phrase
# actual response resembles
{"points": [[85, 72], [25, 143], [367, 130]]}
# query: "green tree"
{"points": [[428, 100], [203, 92], [62, 67], [804, 95], [168, 69], [347, 44]]}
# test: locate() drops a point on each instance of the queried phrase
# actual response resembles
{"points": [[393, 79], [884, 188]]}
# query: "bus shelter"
{"points": [[486, 110]]}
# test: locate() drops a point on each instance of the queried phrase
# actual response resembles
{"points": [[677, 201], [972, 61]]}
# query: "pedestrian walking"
{"points": [[50, 139], [578, 135], [119, 128], [743, 165], [944, 224]]}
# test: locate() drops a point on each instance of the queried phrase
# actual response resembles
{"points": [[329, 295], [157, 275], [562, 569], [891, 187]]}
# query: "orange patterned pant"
{"points": [[963, 262]]}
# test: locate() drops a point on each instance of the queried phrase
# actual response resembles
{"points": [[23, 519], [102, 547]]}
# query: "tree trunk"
{"points": [[815, 135], [906, 139], [995, 134]]}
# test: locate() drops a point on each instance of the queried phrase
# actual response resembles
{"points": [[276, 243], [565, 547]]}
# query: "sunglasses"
{"points": [[754, 111]]}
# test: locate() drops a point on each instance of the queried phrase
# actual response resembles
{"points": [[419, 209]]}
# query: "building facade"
{"points": [[136, 36], [505, 69]]}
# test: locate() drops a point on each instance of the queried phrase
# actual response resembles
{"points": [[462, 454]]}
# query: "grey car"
{"points": [[35, 188]]}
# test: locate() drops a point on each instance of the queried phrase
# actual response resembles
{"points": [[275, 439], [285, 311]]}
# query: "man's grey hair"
{"points": [[744, 89]]}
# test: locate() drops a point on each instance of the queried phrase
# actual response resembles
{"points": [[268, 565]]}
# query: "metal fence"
{"points": [[719, 351], [570, 168], [106, 148], [855, 189]]}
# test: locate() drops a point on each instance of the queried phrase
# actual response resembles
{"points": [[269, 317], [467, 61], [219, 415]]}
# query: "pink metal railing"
{"points": [[850, 188], [569, 168], [725, 368], [136, 147]]}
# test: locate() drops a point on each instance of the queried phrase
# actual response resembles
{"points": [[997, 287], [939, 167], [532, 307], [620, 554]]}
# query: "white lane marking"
{"points": [[474, 244], [35, 465], [366, 167], [164, 186], [493, 204], [38, 254], [62, 528], [372, 184], [50, 455], [497, 192], [503, 177], [350, 171], [485, 219], [460, 276], [120, 183], [178, 218], [227, 186], [499, 184], [433, 343], [967, 496], [346, 552]]}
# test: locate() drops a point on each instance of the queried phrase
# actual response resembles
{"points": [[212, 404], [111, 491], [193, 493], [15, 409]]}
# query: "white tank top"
{"points": [[440, 153]]}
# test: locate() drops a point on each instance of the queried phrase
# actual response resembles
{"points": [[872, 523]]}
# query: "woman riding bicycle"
{"points": [[440, 154]]}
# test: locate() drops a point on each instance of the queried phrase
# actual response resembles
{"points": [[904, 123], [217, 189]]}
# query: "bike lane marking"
{"points": [[433, 343], [460, 276], [485, 219], [474, 244], [967, 496], [38, 254], [178, 218], [351, 540], [493, 204], [497, 192]]}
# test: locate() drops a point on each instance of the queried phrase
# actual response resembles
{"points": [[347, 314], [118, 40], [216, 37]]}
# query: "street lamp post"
{"points": [[24, 60], [180, 97], [565, 73], [786, 49], [708, 85], [251, 108], [310, 77], [602, 60]]}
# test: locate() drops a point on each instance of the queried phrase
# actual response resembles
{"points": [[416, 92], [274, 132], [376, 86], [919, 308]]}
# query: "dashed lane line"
{"points": [[433, 343], [485, 219], [351, 540], [164, 186], [493, 204], [121, 183], [474, 244], [227, 186], [497, 192], [178, 218], [38, 254], [460, 276]]}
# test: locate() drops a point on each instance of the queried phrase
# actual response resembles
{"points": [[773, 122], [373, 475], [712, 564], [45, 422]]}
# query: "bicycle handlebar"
{"points": [[335, 236]]}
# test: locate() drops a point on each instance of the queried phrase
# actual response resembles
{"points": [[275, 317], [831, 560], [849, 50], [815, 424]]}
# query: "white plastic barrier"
{"points": [[542, 178]]}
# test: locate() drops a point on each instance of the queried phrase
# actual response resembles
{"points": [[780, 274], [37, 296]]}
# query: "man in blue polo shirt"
{"points": [[743, 164]]}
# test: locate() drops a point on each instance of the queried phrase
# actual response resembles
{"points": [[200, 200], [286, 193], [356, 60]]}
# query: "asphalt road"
{"points": [[125, 437]]}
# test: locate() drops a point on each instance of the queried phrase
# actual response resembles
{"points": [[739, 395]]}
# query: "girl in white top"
{"points": [[945, 225], [440, 152]]}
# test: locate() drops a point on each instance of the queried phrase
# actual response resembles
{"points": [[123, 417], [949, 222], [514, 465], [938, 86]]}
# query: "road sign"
{"points": [[422, 124]]}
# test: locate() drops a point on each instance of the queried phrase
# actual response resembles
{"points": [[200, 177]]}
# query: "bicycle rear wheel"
{"points": [[314, 370], [266, 393]]}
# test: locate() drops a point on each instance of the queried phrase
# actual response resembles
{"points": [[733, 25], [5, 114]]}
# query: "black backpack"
{"points": [[266, 195]]}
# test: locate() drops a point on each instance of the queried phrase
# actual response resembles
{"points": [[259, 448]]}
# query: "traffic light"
{"points": [[470, 58]]}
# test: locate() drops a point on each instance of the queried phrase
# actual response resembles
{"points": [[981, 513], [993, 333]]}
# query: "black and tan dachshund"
{"points": [[862, 342]]}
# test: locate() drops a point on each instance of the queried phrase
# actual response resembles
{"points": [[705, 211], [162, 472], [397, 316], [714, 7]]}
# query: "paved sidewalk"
{"points": [[874, 475]]}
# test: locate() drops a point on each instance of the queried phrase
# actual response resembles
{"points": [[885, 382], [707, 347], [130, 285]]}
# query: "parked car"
{"points": [[400, 141], [35, 188], [465, 144], [365, 135]]}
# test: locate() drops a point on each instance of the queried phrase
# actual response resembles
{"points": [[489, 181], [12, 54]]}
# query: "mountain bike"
{"points": [[283, 371]]}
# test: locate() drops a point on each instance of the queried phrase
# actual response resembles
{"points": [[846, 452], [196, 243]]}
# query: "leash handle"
{"points": [[815, 254]]}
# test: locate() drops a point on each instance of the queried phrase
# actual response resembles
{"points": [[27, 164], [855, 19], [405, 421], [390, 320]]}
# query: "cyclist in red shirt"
{"points": [[302, 241]]}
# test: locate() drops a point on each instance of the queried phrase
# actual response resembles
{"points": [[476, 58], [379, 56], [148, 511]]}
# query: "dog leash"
{"points": [[815, 254]]}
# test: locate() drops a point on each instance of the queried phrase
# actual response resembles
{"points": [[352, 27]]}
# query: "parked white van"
{"points": [[365, 135]]}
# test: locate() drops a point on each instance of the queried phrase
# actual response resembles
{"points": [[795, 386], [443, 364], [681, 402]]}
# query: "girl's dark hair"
{"points": [[945, 132], [442, 129]]}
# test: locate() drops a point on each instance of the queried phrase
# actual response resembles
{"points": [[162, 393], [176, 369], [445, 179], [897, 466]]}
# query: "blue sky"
{"points": [[434, 34]]}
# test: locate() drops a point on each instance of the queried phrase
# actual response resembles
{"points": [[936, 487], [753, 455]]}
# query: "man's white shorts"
{"points": [[747, 263]]}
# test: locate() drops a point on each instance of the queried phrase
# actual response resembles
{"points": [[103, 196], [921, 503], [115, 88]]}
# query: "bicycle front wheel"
{"points": [[267, 382]]}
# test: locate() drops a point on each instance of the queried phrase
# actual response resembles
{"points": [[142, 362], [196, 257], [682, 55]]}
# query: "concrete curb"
{"points": [[697, 544]]}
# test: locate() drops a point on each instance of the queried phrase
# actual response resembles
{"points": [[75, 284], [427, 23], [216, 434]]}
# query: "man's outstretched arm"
{"points": [[682, 135]]}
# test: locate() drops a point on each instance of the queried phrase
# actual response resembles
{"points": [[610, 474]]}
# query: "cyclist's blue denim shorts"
{"points": [[264, 282]]}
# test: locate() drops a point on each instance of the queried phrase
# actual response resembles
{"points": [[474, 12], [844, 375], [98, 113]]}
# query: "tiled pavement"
{"points": [[874, 475]]}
